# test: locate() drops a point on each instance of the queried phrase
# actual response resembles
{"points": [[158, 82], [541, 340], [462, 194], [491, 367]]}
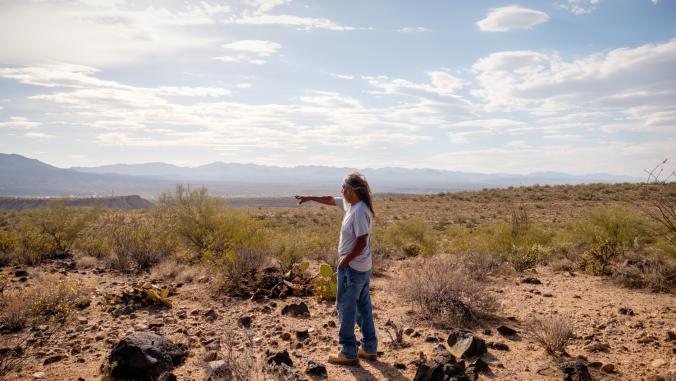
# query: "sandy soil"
{"points": [[636, 342]]}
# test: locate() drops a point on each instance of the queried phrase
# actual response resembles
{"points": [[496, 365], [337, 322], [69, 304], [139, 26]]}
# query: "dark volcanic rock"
{"points": [[575, 371], [315, 369], [464, 344], [53, 359], [145, 356], [506, 331], [295, 310], [245, 321], [20, 273], [531, 280], [279, 358]]}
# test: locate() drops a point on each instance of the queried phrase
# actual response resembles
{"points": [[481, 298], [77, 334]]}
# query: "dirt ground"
{"points": [[636, 336]]}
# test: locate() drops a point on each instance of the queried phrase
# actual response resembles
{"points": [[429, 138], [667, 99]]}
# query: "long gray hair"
{"points": [[357, 181]]}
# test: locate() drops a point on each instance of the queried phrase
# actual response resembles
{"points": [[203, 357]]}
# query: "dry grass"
{"points": [[443, 292], [15, 310], [172, 270], [86, 262], [552, 333]]}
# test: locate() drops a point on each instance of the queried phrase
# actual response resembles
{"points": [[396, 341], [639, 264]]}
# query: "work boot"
{"points": [[367, 356], [341, 359]]}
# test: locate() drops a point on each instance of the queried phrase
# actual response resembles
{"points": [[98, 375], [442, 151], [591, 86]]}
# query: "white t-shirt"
{"points": [[356, 223]]}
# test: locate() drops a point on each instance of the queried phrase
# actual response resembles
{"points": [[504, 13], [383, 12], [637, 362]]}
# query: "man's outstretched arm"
{"points": [[326, 200]]}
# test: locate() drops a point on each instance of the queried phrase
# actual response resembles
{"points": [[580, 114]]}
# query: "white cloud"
{"points": [[544, 82], [511, 17], [251, 51], [265, 5], [19, 122], [38, 135], [96, 34], [579, 7], [301, 23], [341, 76], [413, 29]]}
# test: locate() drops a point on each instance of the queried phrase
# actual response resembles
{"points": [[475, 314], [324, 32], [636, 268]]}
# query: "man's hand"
{"points": [[302, 199], [344, 263]]}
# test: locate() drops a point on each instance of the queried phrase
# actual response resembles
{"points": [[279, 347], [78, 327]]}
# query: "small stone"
{"points": [[53, 359], [575, 371], [506, 331], [285, 336], [245, 321], [598, 347], [608, 368], [531, 280], [140, 327], [210, 315], [658, 363], [279, 358], [296, 310], [19, 274], [399, 365], [408, 331], [431, 339], [315, 369], [626, 311], [210, 356], [499, 346], [302, 334], [39, 375], [671, 335]]}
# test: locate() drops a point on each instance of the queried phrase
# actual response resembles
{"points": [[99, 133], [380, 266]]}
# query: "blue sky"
{"points": [[578, 86]]}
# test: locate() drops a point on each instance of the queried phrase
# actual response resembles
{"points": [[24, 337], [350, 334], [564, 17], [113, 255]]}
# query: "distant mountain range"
{"points": [[22, 176]]}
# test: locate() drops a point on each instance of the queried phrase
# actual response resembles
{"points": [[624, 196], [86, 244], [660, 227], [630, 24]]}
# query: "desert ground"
{"points": [[63, 314]]}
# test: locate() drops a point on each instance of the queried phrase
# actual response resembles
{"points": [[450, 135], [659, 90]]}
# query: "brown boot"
{"points": [[367, 356], [341, 359]]}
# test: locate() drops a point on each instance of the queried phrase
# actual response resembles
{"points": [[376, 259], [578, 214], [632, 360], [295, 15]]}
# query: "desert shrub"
{"points": [[443, 293], [31, 247], [194, 215], [412, 237], [170, 269], [614, 224], [53, 298], [646, 271], [15, 310], [528, 257], [7, 244], [86, 262], [138, 242], [241, 365], [234, 268], [552, 333], [62, 225], [288, 251], [600, 257]]}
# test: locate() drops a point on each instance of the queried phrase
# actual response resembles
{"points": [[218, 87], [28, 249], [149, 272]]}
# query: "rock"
{"points": [[506, 331], [658, 363], [671, 335], [20, 273], [210, 315], [408, 331], [575, 371], [464, 344], [53, 359], [140, 327], [399, 365], [296, 310], [499, 346], [285, 336], [331, 324], [598, 347], [531, 280], [145, 355], [626, 311], [431, 339], [210, 356], [302, 334], [548, 295], [608, 368], [315, 369], [279, 358], [245, 321], [39, 375]]}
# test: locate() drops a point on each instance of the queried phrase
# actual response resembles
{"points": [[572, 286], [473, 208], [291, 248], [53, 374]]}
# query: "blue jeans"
{"points": [[354, 306]]}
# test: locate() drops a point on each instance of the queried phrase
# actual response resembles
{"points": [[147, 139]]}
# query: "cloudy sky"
{"points": [[579, 86]]}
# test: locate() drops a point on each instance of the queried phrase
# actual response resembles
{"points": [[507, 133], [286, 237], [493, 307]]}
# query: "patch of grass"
{"points": [[410, 238], [15, 310], [553, 334]]}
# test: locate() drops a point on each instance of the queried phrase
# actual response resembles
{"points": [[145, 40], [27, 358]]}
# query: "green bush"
{"points": [[412, 237], [31, 246], [614, 224], [62, 225], [7, 244]]}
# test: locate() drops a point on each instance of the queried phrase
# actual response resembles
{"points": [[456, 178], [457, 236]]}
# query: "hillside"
{"points": [[119, 202]]}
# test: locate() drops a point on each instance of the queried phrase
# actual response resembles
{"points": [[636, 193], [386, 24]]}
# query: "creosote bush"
{"points": [[409, 238], [443, 293]]}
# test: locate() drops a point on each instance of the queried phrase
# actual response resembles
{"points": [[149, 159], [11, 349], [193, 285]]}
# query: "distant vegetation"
{"points": [[602, 229]]}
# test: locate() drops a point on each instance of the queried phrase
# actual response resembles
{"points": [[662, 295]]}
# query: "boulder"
{"points": [[531, 280], [506, 331], [279, 358], [145, 356]]}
